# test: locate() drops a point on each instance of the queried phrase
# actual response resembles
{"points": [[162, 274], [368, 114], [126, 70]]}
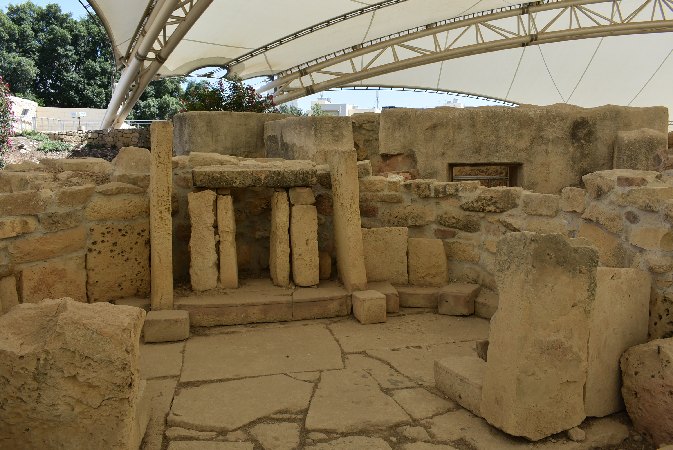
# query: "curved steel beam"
{"points": [[562, 20]]}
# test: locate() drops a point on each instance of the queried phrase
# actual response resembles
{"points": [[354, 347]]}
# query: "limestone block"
{"points": [[327, 300], [457, 299], [611, 219], [71, 377], [61, 220], [600, 183], [285, 175], [133, 160], [460, 378], [651, 237], [459, 220], [347, 222], [304, 244], [486, 304], [610, 249], [646, 198], [301, 196], [226, 228], [408, 216], [74, 196], [640, 149], [535, 204], [22, 203], [279, 245], [385, 251], [461, 251], [392, 297], [418, 297], [118, 207], [8, 295], [427, 262], [537, 368], [203, 258], [375, 183], [93, 165], [118, 260], [497, 199], [51, 245], [166, 326], [364, 169], [53, 279], [619, 320], [325, 262], [369, 306], [647, 374], [199, 159], [572, 199], [25, 181], [116, 188], [15, 226]]}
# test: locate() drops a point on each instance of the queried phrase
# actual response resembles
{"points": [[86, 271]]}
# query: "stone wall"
{"points": [[626, 214], [127, 137], [75, 228]]}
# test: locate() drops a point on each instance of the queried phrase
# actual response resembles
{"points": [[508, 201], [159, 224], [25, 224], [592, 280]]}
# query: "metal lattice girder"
{"points": [[530, 24], [163, 26]]}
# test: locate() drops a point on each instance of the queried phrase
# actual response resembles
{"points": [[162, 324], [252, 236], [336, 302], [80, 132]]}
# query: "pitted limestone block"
{"points": [[61, 220], [647, 373], [408, 216], [118, 207], [619, 320], [385, 251], [461, 378], [304, 244], [62, 277], [600, 183], [279, 241], [286, 174], [51, 245], [15, 226], [132, 160], [459, 220], [203, 257], [71, 377], [197, 159], [427, 262], [640, 149], [536, 372], [23, 203], [392, 296], [573, 199], [457, 299], [166, 326], [369, 306], [535, 204], [226, 229], [118, 260], [496, 199], [301, 196]]}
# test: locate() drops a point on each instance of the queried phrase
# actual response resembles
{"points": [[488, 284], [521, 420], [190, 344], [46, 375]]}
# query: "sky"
{"points": [[363, 99]]}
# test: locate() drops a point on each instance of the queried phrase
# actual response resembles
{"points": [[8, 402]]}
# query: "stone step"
{"points": [[418, 297], [486, 304], [461, 378]]}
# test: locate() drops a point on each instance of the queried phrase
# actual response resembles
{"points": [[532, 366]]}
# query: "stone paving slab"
{"points": [[404, 331], [266, 351], [352, 443], [277, 436], [230, 405], [161, 392], [421, 404], [386, 376], [201, 445], [161, 360]]}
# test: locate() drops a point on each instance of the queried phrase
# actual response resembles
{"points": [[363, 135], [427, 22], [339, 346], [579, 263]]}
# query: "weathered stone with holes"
{"points": [[385, 251], [640, 149], [304, 244], [369, 306], [495, 200], [427, 262], [572, 199], [457, 299], [166, 326], [461, 378], [286, 174], [203, 259], [71, 376], [536, 204], [279, 242], [226, 229], [536, 371]]}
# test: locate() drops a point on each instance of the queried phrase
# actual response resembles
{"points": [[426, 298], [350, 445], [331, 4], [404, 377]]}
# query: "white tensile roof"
{"points": [[619, 52]]}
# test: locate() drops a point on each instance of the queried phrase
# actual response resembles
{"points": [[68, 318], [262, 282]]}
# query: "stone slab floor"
{"points": [[326, 384]]}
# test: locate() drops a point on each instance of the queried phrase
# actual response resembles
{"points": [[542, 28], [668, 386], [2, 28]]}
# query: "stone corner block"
{"points": [[369, 306], [457, 299], [166, 326]]}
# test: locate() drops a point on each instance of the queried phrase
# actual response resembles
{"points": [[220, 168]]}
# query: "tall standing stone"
{"points": [[537, 356], [279, 245], [226, 228], [304, 241], [161, 223], [347, 223], [202, 254]]}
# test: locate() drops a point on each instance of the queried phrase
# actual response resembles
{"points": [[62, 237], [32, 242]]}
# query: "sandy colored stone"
{"points": [[276, 174], [8, 294], [392, 296], [647, 374], [234, 308], [572, 199], [609, 218], [70, 374], [369, 306], [611, 251], [161, 360], [116, 188], [160, 393], [203, 258], [160, 167], [352, 443], [646, 198], [540, 204], [166, 326], [214, 445], [427, 262], [254, 397], [262, 351], [277, 436], [619, 320], [118, 260], [279, 241], [226, 229], [385, 376], [385, 252], [325, 263], [639, 149], [536, 371], [61, 220], [198, 159], [652, 237], [418, 297], [23, 203], [117, 207], [56, 278], [301, 196], [94, 165], [46, 246], [138, 159], [347, 222], [414, 215], [455, 218], [414, 433], [457, 299], [348, 401], [461, 379], [496, 199], [25, 181], [421, 404], [304, 244], [15, 226], [184, 433]]}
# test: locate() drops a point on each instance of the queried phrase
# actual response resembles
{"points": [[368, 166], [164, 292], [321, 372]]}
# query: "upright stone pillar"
{"points": [[161, 223], [347, 223], [537, 355], [226, 228], [202, 255], [304, 242], [279, 245]]}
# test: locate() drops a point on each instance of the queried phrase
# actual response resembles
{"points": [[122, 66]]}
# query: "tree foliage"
{"points": [[5, 117], [225, 95]]}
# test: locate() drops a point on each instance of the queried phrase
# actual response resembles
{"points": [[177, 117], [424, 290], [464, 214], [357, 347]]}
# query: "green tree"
{"points": [[5, 118], [161, 100], [291, 110], [316, 110], [226, 95]]}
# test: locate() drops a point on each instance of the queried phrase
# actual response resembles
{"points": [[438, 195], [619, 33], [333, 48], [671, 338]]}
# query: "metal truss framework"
{"points": [[163, 25], [529, 24]]}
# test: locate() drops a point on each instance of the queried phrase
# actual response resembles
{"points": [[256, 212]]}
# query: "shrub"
{"points": [[5, 116], [46, 144], [226, 95]]}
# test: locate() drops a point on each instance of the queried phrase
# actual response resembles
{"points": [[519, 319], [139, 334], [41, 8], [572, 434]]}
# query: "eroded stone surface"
{"points": [[203, 258], [385, 251], [277, 436], [386, 376], [421, 404], [161, 360], [352, 443], [427, 262]]}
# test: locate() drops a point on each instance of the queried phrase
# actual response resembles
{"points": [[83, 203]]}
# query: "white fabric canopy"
{"points": [[635, 69]]}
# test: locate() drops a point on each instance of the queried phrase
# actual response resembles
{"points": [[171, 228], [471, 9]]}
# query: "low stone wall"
{"points": [[626, 214], [127, 137]]}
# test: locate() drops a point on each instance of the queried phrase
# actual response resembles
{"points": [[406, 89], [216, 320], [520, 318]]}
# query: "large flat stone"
{"points": [[348, 401], [160, 393], [461, 379], [352, 443], [253, 398], [421, 404], [327, 300], [161, 360], [213, 445], [386, 376], [285, 175], [277, 436], [255, 352], [236, 308]]}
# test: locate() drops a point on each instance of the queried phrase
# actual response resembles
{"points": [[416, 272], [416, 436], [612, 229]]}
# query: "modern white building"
{"points": [[341, 109]]}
